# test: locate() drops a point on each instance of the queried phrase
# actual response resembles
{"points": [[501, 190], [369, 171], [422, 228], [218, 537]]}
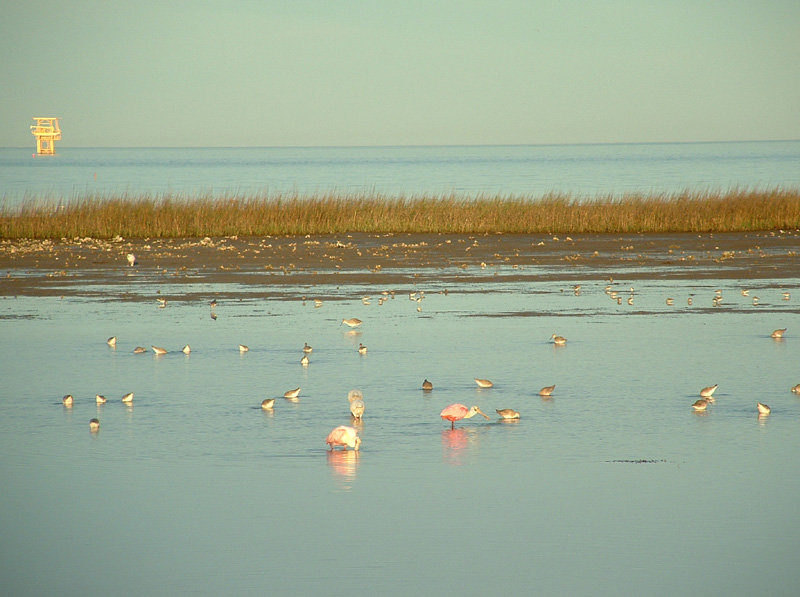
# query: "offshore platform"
{"points": [[46, 131]]}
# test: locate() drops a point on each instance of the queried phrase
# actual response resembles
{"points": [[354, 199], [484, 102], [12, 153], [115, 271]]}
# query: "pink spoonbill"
{"points": [[456, 412], [344, 436]]}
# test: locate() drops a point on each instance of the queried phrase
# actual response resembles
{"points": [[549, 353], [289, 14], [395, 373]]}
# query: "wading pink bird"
{"points": [[456, 412], [343, 436]]}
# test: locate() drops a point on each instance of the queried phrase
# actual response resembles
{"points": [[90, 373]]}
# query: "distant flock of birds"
{"points": [[347, 436]]}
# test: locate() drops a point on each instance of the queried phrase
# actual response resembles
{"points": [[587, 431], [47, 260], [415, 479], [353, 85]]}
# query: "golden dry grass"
{"points": [[175, 216]]}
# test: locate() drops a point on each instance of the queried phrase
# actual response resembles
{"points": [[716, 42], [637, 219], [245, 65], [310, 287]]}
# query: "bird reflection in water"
{"points": [[459, 444], [343, 463]]}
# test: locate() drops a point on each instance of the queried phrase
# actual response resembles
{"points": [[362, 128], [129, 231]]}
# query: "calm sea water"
{"points": [[196, 490], [581, 170]]}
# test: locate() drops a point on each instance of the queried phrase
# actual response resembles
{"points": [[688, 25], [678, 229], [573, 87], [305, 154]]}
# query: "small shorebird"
{"points": [[304, 361], [292, 393], [546, 391], [362, 349], [100, 399], [709, 391], [162, 303], [267, 404], [94, 424], [357, 409], [139, 350], [67, 400], [112, 341], [186, 349], [779, 333], [507, 413], [560, 340], [763, 409], [243, 348], [700, 405], [128, 398], [131, 259], [796, 389], [307, 348], [344, 436], [158, 350], [456, 412], [483, 383], [353, 322], [427, 386]]}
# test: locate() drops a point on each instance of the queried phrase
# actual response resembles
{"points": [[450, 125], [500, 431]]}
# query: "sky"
{"points": [[245, 73]]}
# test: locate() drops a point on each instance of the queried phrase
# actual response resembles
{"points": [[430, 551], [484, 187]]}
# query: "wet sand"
{"points": [[263, 265]]}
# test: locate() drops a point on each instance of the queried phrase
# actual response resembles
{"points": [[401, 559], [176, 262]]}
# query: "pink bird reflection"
{"points": [[458, 445], [344, 464]]}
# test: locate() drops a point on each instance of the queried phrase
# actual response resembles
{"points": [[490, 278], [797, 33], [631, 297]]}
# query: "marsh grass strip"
{"points": [[173, 216]]}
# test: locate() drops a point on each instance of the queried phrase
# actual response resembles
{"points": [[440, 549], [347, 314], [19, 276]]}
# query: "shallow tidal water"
{"points": [[614, 485]]}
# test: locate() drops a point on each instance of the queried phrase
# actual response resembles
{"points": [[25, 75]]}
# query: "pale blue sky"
{"points": [[301, 72]]}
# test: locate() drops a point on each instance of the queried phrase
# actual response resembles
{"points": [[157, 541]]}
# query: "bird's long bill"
{"points": [[485, 416]]}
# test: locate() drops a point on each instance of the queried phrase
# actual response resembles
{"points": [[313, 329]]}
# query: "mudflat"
{"points": [[265, 264]]}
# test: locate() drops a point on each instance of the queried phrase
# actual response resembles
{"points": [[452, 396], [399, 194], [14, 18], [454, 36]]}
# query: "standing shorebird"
{"points": [[779, 333], [267, 404], [547, 390], [700, 405], [427, 386], [507, 414], [353, 322], [709, 391], [559, 340], [483, 383], [128, 398], [67, 400], [131, 259], [112, 341], [763, 409], [456, 412], [343, 436], [357, 409]]}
